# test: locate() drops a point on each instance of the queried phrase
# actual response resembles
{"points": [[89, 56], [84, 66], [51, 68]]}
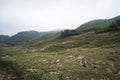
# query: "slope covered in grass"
{"points": [[97, 25], [26, 36], [84, 57], [82, 40]]}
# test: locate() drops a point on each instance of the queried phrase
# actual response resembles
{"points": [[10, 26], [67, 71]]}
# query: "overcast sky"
{"points": [[47, 15]]}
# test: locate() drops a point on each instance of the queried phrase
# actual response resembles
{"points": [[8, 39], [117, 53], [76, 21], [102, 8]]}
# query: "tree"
{"points": [[67, 33], [115, 25]]}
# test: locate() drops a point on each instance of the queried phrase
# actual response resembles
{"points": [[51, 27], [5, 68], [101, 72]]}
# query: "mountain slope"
{"points": [[4, 38], [43, 39], [83, 40], [84, 57], [97, 25], [26, 36]]}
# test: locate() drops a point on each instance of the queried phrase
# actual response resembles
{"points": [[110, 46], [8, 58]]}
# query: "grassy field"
{"points": [[82, 57]]}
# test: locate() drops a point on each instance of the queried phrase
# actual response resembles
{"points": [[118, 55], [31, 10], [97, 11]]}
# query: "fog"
{"points": [[48, 15]]}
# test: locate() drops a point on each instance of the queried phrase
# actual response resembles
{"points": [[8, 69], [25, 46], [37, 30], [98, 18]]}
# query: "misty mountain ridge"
{"points": [[96, 26], [90, 52], [22, 37], [99, 25]]}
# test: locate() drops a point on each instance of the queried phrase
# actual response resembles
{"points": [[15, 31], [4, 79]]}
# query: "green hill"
{"points": [[86, 40], [97, 25], [66, 55], [85, 56], [4, 38], [26, 36], [21, 37]]}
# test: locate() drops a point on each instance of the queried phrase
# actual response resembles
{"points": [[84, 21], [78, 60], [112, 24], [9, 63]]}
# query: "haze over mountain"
{"points": [[94, 26], [24, 36], [89, 52], [98, 25], [47, 15], [59, 39]]}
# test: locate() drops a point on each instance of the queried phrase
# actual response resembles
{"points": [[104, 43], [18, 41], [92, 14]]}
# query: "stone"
{"points": [[70, 56], [44, 60], [119, 72], [108, 69], [13, 59], [31, 70], [43, 49], [92, 79], [80, 57], [77, 79], [58, 60], [112, 65], [67, 78], [52, 73], [33, 50]]}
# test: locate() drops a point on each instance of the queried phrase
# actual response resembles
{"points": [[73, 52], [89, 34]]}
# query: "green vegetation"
{"points": [[67, 33], [98, 26], [85, 56], [27, 36], [65, 56], [3, 38]]}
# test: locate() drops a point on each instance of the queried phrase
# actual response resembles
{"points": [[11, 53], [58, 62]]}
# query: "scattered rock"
{"points": [[44, 60], [13, 59], [92, 79], [52, 73], [108, 69], [43, 49], [119, 72], [55, 61], [80, 57], [70, 56], [67, 78], [31, 70], [7, 77], [77, 79], [33, 50], [59, 64], [82, 61], [58, 60], [112, 65]]}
